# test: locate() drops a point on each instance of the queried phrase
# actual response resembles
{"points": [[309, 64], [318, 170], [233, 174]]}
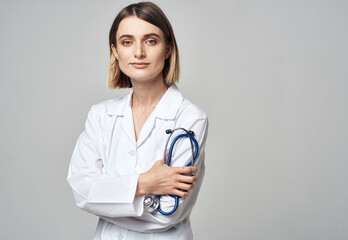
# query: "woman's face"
{"points": [[141, 50]]}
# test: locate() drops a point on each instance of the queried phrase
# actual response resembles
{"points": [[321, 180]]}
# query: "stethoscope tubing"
{"points": [[194, 149]]}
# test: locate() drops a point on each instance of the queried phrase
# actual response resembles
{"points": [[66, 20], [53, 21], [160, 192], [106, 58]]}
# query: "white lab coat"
{"points": [[107, 161]]}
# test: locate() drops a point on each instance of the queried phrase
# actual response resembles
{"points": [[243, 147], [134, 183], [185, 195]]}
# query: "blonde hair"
{"points": [[151, 13]]}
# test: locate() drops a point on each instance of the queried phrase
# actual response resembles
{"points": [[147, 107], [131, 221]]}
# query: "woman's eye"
{"points": [[126, 42], [151, 41]]}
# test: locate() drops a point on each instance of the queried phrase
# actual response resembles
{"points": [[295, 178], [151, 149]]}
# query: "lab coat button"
{"points": [[132, 153], [119, 236]]}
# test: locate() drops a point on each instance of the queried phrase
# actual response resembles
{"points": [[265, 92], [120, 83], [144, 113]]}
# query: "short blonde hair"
{"points": [[150, 13]]}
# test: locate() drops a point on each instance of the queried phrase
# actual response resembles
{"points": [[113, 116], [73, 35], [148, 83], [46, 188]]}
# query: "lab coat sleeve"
{"points": [[156, 222], [94, 190], [181, 155]]}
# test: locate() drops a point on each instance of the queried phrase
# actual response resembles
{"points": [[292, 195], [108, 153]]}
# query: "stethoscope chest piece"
{"points": [[151, 202]]}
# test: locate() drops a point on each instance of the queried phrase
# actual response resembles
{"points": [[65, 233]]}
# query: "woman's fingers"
{"points": [[184, 186], [186, 178], [180, 193], [185, 170]]}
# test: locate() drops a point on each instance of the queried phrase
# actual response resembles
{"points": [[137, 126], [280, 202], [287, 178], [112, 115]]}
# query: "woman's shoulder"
{"points": [[191, 110], [192, 117], [184, 107], [113, 106]]}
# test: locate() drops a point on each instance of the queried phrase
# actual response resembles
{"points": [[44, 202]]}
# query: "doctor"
{"points": [[119, 156]]}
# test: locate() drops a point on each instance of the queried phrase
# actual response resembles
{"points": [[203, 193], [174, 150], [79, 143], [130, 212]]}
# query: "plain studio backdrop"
{"points": [[271, 75]]}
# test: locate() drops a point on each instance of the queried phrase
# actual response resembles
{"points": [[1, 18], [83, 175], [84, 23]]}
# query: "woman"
{"points": [[119, 156]]}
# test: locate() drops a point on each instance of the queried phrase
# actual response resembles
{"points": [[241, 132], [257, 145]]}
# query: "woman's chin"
{"points": [[142, 78]]}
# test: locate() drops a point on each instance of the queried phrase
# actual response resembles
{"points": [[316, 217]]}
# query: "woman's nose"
{"points": [[139, 51]]}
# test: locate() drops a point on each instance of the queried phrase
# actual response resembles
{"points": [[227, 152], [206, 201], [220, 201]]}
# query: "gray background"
{"points": [[271, 75]]}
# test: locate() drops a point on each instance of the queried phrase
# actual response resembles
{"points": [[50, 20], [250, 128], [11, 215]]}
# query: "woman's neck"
{"points": [[147, 95]]}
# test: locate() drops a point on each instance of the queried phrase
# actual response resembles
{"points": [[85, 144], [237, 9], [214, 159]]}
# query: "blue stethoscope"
{"points": [[151, 201]]}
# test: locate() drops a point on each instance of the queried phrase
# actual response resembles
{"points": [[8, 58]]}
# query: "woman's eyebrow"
{"points": [[125, 36], [152, 35], [145, 36]]}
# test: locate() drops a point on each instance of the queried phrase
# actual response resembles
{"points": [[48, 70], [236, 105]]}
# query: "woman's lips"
{"points": [[140, 65]]}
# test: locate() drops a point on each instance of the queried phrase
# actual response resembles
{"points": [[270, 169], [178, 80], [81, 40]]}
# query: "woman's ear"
{"points": [[168, 51], [114, 51]]}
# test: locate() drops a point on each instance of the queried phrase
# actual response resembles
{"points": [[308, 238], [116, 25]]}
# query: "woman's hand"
{"points": [[162, 180]]}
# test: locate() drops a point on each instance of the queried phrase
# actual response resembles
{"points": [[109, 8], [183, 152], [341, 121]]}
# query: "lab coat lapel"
{"points": [[166, 108], [170, 103], [127, 122]]}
